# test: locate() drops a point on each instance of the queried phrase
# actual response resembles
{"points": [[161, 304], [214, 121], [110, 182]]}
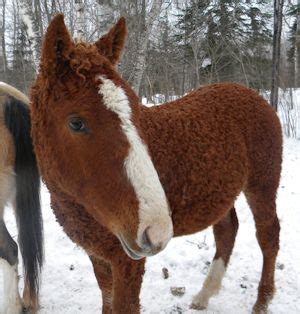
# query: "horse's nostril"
{"points": [[148, 243], [146, 239]]}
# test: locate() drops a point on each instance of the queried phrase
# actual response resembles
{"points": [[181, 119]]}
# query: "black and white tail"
{"points": [[27, 203]]}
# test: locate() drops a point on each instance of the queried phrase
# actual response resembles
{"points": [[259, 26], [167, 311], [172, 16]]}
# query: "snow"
{"points": [[187, 258]]}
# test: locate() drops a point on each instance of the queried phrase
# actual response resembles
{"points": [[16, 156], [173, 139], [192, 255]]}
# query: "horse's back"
{"points": [[6, 89], [260, 127], [229, 112]]}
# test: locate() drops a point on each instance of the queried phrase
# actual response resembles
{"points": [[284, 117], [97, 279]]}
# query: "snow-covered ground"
{"points": [[69, 286]]}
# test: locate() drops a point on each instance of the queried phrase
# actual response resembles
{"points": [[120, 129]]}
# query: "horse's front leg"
{"points": [[103, 275], [127, 281]]}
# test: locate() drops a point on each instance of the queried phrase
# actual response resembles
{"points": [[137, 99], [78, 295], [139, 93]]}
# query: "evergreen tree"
{"points": [[232, 35], [257, 45]]}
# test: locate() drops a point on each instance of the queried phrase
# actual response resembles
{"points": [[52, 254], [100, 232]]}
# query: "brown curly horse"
{"points": [[123, 178], [19, 185]]}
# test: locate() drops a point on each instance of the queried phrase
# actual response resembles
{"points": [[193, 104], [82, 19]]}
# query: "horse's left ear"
{"points": [[112, 44]]}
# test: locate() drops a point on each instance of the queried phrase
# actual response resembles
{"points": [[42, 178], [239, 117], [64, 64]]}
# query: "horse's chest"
{"points": [[84, 230]]}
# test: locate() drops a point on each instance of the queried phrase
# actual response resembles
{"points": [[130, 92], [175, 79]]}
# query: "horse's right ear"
{"points": [[56, 48], [112, 44]]}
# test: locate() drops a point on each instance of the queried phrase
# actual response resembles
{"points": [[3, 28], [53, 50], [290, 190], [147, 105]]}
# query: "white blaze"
{"points": [[153, 206]]}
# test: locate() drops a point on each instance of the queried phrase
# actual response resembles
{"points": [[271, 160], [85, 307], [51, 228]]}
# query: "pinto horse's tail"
{"points": [[27, 202]]}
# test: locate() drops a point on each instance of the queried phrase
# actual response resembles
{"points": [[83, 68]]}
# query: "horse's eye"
{"points": [[76, 124]]}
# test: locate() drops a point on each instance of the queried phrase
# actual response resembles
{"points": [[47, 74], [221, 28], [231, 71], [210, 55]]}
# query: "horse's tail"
{"points": [[27, 202]]}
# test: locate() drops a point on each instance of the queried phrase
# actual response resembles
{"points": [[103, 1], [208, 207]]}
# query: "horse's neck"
{"points": [[152, 124]]}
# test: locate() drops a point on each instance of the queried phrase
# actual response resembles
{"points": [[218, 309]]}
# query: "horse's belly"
{"points": [[197, 218]]}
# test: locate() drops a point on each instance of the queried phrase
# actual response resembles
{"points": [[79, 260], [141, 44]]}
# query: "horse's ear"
{"points": [[56, 48], [112, 44]]}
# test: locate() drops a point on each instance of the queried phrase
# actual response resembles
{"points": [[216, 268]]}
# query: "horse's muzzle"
{"points": [[140, 253]]}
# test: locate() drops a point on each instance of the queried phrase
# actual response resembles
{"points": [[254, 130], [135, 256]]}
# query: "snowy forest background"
{"points": [[172, 46]]}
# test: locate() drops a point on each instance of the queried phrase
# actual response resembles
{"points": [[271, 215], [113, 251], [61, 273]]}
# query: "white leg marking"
{"points": [[211, 286], [12, 299]]}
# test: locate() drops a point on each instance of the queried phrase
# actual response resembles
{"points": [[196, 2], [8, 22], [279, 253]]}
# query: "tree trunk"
{"points": [[3, 59], [50, 12], [195, 49], [278, 8], [31, 17], [80, 22], [297, 52], [146, 28]]}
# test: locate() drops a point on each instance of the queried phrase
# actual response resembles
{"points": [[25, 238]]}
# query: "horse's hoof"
{"points": [[26, 310], [198, 306], [200, 301], [260, 309]]}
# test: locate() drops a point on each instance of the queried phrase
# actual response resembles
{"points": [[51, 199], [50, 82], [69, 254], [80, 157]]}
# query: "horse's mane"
{"points": [[85, 59], [12, 91]]}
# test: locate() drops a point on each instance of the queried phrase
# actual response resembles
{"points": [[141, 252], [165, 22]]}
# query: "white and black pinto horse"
{"points": [[20, 186]]}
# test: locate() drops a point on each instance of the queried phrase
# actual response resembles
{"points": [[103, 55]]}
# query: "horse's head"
{"points": [[85, 127]]}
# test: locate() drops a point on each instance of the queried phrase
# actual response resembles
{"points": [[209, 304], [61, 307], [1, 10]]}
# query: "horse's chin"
{"points": [[132, 253]]}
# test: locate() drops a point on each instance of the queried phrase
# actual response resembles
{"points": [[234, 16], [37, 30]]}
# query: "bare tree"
{"points": [[146, 26], [3, 59], [31, 16], [278, 9], [297, 46], [80, 21]]}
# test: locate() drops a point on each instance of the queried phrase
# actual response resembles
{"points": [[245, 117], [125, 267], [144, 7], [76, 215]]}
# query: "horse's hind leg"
{"points": [[225, 232], [9, 262], [262, 203]]}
